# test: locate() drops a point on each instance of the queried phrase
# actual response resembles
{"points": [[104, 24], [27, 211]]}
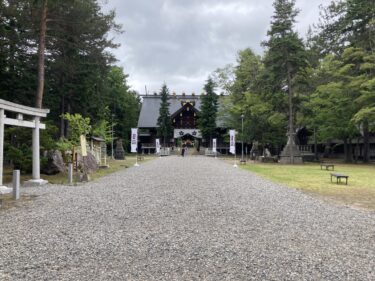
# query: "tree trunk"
{"points": [[350, 150], [366, 142], [290, 101], [62, 120], [41, 48], [356, 153], [315, 146]]}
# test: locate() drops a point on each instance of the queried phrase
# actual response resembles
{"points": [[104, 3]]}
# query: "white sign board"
{"points": [[157, 145], [134, 140], [232, 141], [214, 145], [83, 145]]}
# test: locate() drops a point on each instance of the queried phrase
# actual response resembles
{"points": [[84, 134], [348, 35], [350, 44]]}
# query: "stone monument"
{"points": [[291, 153], [119, 151]]}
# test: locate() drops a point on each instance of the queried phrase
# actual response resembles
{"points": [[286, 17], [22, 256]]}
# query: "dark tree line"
{"points": [[79, 73]]}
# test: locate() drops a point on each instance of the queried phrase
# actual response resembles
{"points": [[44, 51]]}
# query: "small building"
{"points": [[98, 148]]}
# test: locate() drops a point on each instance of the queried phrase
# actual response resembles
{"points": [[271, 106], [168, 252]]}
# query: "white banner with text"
{"points": [[157, 145], [232, 141], [134, 140]]}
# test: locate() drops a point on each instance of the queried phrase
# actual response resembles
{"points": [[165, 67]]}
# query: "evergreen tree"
{"points": [[346, 23], [285, 55], [208, 111], [164, 120]]}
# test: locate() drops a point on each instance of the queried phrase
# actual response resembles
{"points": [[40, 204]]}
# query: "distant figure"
{"points": [[183, 150]]}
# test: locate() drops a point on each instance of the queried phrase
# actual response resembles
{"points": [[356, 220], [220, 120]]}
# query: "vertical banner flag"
{"points": [[232, 142], [157, 145], [134, 140], [214, 145]]}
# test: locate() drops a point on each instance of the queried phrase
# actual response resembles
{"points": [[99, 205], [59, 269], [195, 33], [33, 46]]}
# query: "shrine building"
{"points": [[184, 111]]}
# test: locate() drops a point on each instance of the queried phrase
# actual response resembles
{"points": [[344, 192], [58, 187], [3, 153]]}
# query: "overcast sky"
{"points": [[181, 42]]}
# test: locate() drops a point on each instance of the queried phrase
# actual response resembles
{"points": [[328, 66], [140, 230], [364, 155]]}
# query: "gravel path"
{"points": [[191, 218]]}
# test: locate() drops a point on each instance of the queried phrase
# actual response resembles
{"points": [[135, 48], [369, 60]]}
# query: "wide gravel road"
{"points": [[191, 218]]}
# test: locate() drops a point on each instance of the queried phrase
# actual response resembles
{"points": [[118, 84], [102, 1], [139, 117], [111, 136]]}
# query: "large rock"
{"points": [[88, 162], [55, 163]]}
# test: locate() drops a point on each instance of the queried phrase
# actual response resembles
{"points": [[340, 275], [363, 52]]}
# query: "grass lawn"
{"points": [[62, 178], [359, 193]]}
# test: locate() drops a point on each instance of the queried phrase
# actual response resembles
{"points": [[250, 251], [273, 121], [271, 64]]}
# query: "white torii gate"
{"points": [[21, 110]]}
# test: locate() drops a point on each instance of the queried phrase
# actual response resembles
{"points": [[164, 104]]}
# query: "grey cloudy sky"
{"points": [[182, 41]]}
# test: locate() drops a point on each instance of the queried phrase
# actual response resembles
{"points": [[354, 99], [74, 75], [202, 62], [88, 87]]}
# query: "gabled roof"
{"points": [[148, 117], [183, 108]]}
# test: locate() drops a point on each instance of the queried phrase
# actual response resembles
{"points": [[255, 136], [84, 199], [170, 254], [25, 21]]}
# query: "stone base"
{"points": [[31, 183], [285, 156], [5, 190], [288, 160]]}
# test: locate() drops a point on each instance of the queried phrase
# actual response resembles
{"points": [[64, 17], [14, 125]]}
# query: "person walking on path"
{"points": [[183, 150]]}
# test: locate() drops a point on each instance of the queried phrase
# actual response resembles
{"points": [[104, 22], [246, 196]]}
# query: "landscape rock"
{"points": [[55, 163], [89, 162]]}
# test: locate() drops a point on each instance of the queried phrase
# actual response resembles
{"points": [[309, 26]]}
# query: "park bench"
{"points": [[327, 166], [339, 176]]}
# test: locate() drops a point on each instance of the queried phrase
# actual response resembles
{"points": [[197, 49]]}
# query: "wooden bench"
{"points": [[327, 166], [339, 176]]}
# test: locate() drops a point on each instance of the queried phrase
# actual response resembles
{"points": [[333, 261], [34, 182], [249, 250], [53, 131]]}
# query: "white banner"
{"points": [[214, 145], [232, 141], [134, 140], [157, 145]]}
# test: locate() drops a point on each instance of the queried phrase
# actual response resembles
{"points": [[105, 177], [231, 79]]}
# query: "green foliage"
{"points": [[48, 137], [164, 120], [346, 23], [247, 74], [78, 126], [103, 129], [285, 50], [208, 110], [123, 103], [20, 157]]}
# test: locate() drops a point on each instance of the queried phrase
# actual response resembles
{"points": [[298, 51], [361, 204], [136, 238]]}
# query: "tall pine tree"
{"points": [[164, 120], [285, 56], [207, 115]]}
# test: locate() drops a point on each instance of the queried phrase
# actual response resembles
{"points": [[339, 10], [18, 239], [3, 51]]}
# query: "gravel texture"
{"points": [[191, 218]]}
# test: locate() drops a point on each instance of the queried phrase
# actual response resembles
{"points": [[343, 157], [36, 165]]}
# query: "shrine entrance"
{"points": [[16, 118], [188, 137], [189, 140]]}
